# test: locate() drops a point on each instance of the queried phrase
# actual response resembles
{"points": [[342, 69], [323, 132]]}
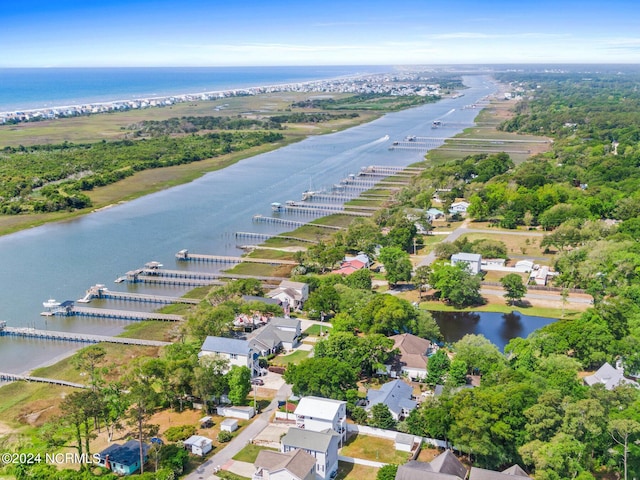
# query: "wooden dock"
{"points": [[14, 377], [267, 236], [293, 223], [185, 255], [329, 206], [311, 210], [68, 309], [148, 274], [77, 337], [100, 291]]}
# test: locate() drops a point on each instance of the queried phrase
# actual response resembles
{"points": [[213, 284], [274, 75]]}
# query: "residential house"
{"points": [[361, 257], [279, 334], [229, 425], [348, 267], [319, 414], [323, 446], [293, 294], [540, 275], [293, 465], [396, 395], [243, 413], [198, 445], [609, 376], [123, 459], [444, 467], [412, 357], [459, 207], [434, 214], [508, 474], [237, 352], [473, 261]]}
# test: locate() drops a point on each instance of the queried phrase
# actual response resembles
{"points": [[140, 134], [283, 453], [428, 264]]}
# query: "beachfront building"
{"points": [[319, 414], [323, 446], [292, 465], [235, 351]]}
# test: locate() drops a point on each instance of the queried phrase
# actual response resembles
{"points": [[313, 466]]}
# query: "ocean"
{"points": [[35, 88]]}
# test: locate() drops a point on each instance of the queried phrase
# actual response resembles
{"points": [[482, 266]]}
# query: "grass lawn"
{"points": [[373, 448], [225, 475], [266, 253], [316, 329], [250, 453], [152, 330], [294, 357], [350, 471], [521, 245]]}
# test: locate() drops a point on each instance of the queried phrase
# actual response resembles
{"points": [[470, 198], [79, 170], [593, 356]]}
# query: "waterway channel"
{"points": [[62, 260]]}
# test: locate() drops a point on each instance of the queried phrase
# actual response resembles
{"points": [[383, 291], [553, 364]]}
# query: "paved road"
{"points": [[206, 470]]}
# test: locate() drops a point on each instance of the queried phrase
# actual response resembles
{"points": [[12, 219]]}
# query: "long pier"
{"points": [[327, 209], [267, 236], [100, 291], [185, 255], [77, 337], [293, 223], [14, 377], [68, 309], [143, 274]]}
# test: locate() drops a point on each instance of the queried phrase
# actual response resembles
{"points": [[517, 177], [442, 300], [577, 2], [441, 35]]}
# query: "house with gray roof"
{"points": [[609, 376], [508, 474], [279, 333], [396, 395], [292, 294], [321, 445], [293, 465], [472, 260], [445, 466], [235, 351]]}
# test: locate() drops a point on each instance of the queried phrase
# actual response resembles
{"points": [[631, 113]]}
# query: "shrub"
{"points": [[224, 436], [180, 432]]}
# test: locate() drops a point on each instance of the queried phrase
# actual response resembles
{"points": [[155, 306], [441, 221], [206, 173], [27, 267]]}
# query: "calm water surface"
{"points": [[62, 260], [497, 327]]}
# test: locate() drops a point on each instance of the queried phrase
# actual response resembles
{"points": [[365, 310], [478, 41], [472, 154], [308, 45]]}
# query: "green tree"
{"points": [[514, 286], [622, 431], [396, 264], [324, 377], [457, 373], [456, 284], [322, 301], [421, 278], [239, 381], [437, 368], [381, 417], [479, 354]]}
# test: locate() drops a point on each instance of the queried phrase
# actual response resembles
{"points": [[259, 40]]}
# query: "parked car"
{"points": [[257, 381]]}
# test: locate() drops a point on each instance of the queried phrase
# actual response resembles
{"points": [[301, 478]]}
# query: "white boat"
{"points": [[51, 303]]}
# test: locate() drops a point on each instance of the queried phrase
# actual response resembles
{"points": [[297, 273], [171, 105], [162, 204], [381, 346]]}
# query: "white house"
{"points": [[229, 425], [321, 445], [237, 352], [459, 207], [292, 293], [198, 445], [293, 465], [243, 413], [434, 214], [396, 395], [319, 414], [473, 261]]}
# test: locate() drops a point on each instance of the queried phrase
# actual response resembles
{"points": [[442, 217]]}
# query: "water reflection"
{"points": [[499, 328]]}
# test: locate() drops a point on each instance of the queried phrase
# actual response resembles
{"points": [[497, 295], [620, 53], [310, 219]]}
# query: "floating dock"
{"points": [[185, 255], [100, 291], [77, 337]]}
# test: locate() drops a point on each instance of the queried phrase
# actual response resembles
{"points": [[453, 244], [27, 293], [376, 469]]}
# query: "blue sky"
{"points": [[61, 33]]}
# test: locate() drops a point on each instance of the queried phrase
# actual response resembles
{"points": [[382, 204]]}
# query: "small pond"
{"points": [[499, 328]]}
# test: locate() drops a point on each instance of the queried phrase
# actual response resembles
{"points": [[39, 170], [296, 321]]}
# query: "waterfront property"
{"points": [[472, 260], [237, 352], [293, 294]]}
